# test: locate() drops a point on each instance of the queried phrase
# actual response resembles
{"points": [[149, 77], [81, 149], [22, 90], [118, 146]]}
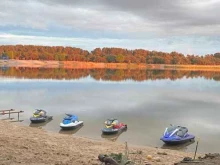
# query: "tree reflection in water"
{"points": [[105, 74]]}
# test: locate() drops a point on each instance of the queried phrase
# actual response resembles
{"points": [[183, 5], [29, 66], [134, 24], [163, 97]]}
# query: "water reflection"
{"points": [[71, 131], [105, 74], [147, 106], [182, 147], [40, 124], [16, 120], [113, 137]]}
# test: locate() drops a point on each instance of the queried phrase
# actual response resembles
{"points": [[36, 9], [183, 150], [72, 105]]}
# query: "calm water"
{"points": [[147, 106]]}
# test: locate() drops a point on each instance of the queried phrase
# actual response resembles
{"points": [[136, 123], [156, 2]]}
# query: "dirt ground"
{"points": [[33, 146], [208, 159]]}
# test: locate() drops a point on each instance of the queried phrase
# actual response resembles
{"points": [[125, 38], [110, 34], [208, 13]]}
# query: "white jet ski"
{"points": [[70, 122]]}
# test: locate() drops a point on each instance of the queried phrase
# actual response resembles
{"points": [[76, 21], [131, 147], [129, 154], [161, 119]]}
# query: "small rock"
{"points": [[25, 147], [187, 159], [162, 153], [157, 159], [147, 164]]}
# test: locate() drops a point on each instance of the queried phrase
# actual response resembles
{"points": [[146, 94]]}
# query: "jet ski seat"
{"points": [[182, 131]]}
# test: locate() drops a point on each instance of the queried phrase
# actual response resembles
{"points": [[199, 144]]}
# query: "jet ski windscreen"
{"points": [[109, 122], [171, 129]]}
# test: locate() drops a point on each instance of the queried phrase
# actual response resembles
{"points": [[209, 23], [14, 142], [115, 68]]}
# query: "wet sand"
{"points": [[26, 145]]}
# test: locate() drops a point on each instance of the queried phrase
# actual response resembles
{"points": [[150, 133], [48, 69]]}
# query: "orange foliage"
{"points": [[105, 55]]}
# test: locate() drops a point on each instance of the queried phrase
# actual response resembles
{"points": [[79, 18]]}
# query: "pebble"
{"points": [[161, 153], [157, 159]]}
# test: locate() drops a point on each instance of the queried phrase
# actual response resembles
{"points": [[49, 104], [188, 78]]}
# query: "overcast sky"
{"points": [[187, 26]]}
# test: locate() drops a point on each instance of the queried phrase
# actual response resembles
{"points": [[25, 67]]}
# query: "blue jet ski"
{"points": [[40, 116], [70, 122], [176, 135]]}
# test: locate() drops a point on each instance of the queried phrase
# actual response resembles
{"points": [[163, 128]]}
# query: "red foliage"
{"points": [[60, 53]]}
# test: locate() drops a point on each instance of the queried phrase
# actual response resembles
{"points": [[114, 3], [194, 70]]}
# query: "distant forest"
{"points": [[104, 55]]}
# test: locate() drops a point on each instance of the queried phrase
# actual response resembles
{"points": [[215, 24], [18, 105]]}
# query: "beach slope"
{"points": [[26, 145]]}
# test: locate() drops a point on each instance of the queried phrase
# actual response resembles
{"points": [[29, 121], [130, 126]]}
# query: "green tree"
{"points": [[111, 58]]}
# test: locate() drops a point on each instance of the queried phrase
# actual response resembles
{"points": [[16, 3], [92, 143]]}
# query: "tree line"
{"points": [[105, 74], [105, 55]]}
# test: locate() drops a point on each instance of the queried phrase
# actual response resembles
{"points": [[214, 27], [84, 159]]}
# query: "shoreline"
{"points": [[25, 145], [93, 65]]}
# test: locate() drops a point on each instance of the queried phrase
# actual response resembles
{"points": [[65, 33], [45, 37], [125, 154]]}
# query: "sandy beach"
{"points": [[94, 65], [25, 145]]}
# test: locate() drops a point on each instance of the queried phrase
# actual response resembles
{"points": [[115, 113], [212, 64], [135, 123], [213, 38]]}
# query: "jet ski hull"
{"points": [[175, 141], [70, 126], [40, 119], [110, 131]]}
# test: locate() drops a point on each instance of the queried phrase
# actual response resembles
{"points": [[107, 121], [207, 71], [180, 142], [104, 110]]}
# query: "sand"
{"points": [[208, 159], [26, 145], [94, 65], [71, 64]]}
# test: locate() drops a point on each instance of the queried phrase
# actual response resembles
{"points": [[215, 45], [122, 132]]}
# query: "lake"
{"points": [[146, 100]]}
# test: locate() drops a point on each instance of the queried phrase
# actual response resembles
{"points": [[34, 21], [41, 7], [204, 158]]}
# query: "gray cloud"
{"points": [[197, 45], [175, 15], [187, 26], [127, 16]]}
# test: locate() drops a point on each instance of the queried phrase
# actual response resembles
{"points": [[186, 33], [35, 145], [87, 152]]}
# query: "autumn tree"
{"points": [[120, 58], [111, 55]]}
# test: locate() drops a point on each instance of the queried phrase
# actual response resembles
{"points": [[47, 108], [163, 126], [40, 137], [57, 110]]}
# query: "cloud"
{"points": [[175, 16], [38, 15], [188, 26], [126, 16], [186, 45]]}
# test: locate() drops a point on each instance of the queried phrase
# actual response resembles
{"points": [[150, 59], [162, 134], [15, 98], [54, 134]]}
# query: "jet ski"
{"points": [[70, 122], [40, 116], [176, 135], [113, 126]]}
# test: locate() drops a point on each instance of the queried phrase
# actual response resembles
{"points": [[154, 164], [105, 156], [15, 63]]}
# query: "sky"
{"points": [[186, 26]]}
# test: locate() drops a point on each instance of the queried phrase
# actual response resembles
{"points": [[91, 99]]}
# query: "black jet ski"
{"points": [[113, 126], [40, 116]]}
